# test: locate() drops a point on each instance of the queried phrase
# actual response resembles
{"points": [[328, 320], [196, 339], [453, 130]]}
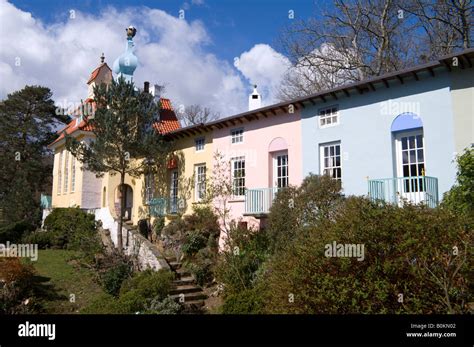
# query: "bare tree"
{"points": [[197, 114], [357, 39], [447, 24]]}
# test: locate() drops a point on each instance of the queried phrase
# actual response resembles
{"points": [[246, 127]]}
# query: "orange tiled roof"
{"points": [[168, 121], [95, 73]]}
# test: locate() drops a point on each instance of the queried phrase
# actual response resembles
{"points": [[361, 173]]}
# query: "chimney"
{"points": [[146, 87], [255, 100], [156, 91]]}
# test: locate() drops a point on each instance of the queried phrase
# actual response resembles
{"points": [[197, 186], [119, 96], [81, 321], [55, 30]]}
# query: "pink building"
{"points": [[263, 149]]}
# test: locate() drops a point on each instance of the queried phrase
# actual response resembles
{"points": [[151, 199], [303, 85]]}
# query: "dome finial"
{"points": [[131, 31], [102, 58], [127, 62]]}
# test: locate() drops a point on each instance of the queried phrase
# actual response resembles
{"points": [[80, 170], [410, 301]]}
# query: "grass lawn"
{"points": [[60, 277]]}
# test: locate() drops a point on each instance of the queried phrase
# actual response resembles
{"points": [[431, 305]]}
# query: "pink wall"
{"points": [[260, 138]]}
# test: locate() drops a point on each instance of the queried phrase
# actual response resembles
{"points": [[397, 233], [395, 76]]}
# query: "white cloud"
{"points": [[263, 66], [170, 51]]}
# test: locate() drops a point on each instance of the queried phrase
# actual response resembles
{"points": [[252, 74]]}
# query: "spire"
{"points": [[102, 58], [127, 62]]}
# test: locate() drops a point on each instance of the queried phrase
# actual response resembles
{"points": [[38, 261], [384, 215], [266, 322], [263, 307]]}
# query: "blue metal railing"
{"points": [[395, 190], [258, 201], [159, 207], [45, 201]]}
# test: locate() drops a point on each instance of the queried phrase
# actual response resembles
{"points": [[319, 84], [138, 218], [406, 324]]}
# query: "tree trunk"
{"points": [[122, 209]]}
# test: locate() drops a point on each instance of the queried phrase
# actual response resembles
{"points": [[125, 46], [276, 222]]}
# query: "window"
{"points": [[73, 174], [331, 160], [66, 172], [199, 144], [174, 192], [200, 182], [328, 117], [411, 153], [280, 170], [149, 180], [60, 165], [237, 135], [238, 176]]}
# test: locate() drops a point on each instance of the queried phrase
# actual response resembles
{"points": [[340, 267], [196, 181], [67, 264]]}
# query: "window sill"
{"points": [[242, 199]]}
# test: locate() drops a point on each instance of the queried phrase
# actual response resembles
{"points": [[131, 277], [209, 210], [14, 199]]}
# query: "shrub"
{"points": [[408, 251], [137, 291], [193, 242], [314, 202], [202, 266], [245, 250], [158, 225], [248, 301], [44, 239], [461, 196], [144, 228], [15, 231], [17, 287], [163, 306], [103, 304], [113, 278]]}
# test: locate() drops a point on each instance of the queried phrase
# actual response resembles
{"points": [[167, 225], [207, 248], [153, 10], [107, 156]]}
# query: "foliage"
{"points": [[16, 287], [202, 265], [27, 122], [71, 228], [15, 231], [112, 270], [461, 196], [415, 251], [314, 202], [244, 252], [44, 239], [125, 140], [103, 304], [248, 301], [137, 291], [158, 225], [163, 306]]}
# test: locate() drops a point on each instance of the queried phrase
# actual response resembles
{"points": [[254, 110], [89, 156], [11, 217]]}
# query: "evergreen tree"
{"points": [[125, 140], [27, 123]]}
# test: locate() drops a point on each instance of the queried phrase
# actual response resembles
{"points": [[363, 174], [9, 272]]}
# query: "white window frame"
{"points": [[331, 159], [66, 172], [237, 136], [199, 182], [149, 182], [174, 189], [73, 174], [60, 164], [198, 142], [330, 114], [399, 154], [284, 178], [240, 188]]}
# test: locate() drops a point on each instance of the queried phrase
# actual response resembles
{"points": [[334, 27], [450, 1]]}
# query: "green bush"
{"points": [[113, 278], [139, 290], [314, 202], [163, 306], [245, 251], [461, 196], [158, 225], [248, 301], [408, 251], [202, 266], [15, 231], [44, 239], [103, 304], [193, 242]]}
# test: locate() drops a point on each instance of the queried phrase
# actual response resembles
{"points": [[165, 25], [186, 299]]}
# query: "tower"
{"points": [[127, 62], [255, 100]]}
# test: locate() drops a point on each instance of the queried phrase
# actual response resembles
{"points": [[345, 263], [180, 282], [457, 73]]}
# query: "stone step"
{"points": [[184, 281], [175, 265], [183, 272], [189, 297], [184, 289]]}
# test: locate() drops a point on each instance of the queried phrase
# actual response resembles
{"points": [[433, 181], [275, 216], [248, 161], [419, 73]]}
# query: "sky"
{"points": [[211, 57]]}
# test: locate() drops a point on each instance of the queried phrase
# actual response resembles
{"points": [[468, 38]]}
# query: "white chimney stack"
{"points": [[255, 100], [156, 90]]}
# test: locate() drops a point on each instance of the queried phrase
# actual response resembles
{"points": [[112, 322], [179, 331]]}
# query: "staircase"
{"points": [[185, 290]]}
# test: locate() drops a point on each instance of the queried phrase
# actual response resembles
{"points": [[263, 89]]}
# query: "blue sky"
{"points": [[234, 25], [193, 58]]}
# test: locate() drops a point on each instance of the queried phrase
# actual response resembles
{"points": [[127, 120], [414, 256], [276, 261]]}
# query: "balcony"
{"points": [[419, 189], [258, 201], [160, 207]]}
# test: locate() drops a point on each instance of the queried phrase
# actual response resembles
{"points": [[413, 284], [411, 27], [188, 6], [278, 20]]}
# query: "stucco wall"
{"points": [[258, 135], [462, 93], [365, 131]]}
